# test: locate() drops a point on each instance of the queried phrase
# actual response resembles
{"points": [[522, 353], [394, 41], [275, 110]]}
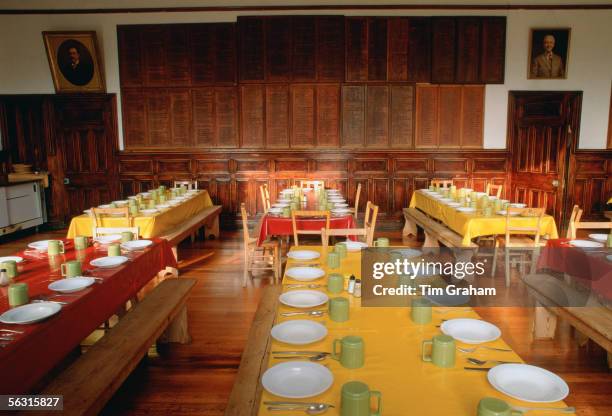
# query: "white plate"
{"points": [[303, 298], [471, 331], [336, 199], [149, 211], [468, 190], [354, 245], [87, 211], [275, 210], [338, 211], [408, 252], [30, 313], [121, 203], [299, 332], [297, 379], [528, 383], [602, 238], [280, 205], [585, 244], [162, 206], [454, 204], [136, 244], [518, 205], [283, 201], [108, 261], [504, 213], [340, 205], [466, 209], [145, 194], [108, 239], [303, 254], [104, 206], [173, 202], [72, 284], [39, 245], [446, 200], [305, 274], [16, 259], [492, 197]]}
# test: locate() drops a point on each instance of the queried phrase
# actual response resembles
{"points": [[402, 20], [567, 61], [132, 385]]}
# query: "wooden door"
{"points": [[84, 161], [542, 134]]}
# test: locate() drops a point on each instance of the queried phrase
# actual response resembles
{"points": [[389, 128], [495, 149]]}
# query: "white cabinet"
{"points": [[21, 207]]}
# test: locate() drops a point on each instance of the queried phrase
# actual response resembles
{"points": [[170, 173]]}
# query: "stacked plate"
{"points": [[121, 203], [30, 313], [528, 383], [466, 209], [585, 244], [280, 205], [504, 212], [340, 211], [454, 204], [108, 262], [354, 245], [305, 274], [303, 299], [16, 259], [471, 331], [39, 245], [149, 211], [297, 379], [303, 254], [72, 284], [518, 205], [275, 211], [136, 245], [299, 332], [601, 238], [108, 239]]}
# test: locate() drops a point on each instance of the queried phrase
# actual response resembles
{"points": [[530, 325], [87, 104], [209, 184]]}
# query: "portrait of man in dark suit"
{"points": [[548, 57], [75, 62]]}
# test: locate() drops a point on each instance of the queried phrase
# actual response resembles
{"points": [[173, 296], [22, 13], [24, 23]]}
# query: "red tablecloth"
{"points": [[271, 225], [589, 267], [43, 345]]}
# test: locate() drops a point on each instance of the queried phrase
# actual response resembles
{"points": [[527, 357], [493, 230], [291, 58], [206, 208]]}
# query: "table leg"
{"points": [[178, 330], [410, 228], [545, 322]]}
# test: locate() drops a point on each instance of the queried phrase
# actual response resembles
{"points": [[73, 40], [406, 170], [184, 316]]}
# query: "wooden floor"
{"points": [[196, 379]]}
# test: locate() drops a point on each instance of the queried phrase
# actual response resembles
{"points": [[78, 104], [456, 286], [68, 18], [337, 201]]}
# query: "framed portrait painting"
{"points": [[74, 61], [548, 53]]}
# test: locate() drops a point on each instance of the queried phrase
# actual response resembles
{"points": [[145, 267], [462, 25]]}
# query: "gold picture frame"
{"points": [[74, 61], [548, 53]]}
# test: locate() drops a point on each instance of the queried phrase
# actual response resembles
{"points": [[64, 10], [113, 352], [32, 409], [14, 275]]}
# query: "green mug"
{"points": [[133, 210], [162, 198], [112, 205], [286, 212], [420, 311], [340, 248], [127, 236], [71, 268], [339, 309], [162, 188], [132, 202], [491, 406], [333, 260], [329, 206], [81, 242], [55, 247], [381, 242], [18, 294], [355, 400], [335, 283], [351, 354], [442, 351], [114, 250], [151, 203], [11, 268]]}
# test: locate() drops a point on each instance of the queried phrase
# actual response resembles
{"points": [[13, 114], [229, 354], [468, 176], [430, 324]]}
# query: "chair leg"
{"points": [[507, 267], [245, 275], [494, 267], [276, 263]]}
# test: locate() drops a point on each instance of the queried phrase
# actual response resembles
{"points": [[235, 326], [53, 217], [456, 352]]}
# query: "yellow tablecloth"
{"points": [[393, 363], [149, 226], [472, 225]]}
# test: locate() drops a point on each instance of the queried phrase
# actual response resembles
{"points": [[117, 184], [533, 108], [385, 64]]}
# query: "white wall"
{"points": [[24, 68]]}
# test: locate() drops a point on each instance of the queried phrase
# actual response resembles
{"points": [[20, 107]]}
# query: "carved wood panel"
{"points": [[328, 115], [357, 49], [493, 50], [444, 49], [353, 115], [468, 50], [303, 116], [377, 116], [304, 46], [252, 120], [277, 116], [419, 49], [330, 48]]}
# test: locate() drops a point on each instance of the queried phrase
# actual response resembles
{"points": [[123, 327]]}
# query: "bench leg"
{"points": [[213, 228], [430, 241], [178, 329], [410, 228], [545, 323]]}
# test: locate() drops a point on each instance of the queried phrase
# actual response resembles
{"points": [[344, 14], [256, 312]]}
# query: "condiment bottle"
{"points": [[4, 278], [357, 292], [351, 284]]}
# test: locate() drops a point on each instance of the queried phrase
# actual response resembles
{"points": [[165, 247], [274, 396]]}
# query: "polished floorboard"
{"points": [[196, 379]]}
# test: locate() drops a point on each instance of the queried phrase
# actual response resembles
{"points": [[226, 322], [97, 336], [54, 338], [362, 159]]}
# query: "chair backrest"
{"points": [[495, 189], [187, 184], [369, 221], [118, 213], [511, 213], [295, 215], [574, 218], [265, 197], [586, 225], [357, 195], [341, 232], [313, 184], [444, 183]]}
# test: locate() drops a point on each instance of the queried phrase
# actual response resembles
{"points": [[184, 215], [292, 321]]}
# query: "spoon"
{"points": [[468, 350], [48, 301], [483, 362], [545, 409], [318, 357], [313, 409], [311, 313]]}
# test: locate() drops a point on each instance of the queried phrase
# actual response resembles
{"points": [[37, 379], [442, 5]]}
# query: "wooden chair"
{"points": [[444, 183], [575, 217], [307, 214], [367, 231], [188, 184], [264, 257], [355, 209], [119, 213], [585, 225], [495, 189], [265, 197], [312, 184], [519, 240]]}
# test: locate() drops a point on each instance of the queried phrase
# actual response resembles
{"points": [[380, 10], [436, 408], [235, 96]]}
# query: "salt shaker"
{"points": [[357, 292], [351, 284], [4, 278]]}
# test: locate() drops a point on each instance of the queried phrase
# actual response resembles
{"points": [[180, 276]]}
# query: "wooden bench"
{"points": [[207, 218], [93, 378], [592, 322], [246, 393], [435, 233]]}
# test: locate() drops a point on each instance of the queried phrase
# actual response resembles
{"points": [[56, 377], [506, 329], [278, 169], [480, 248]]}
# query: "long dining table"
{"points": [[40, 346], [472, 225], [393, 363]]}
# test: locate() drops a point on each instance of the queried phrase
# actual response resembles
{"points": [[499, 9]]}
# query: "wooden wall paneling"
{"points": [[154, 51], [330, 48], [419, 49], [178, 62], [277, 116], [444, 49], [610, 123], [357, 48], [251, 48], [328, 115], [426, 118], [449, 123], [278, 34], [380, 194], [468, 50], [203, 53], [303, 115], [402, 116], [401, 191], [353, 115], [203, 104], [252, 116], [304, 45], [225, 62], [377, 48], [180, 114], [398, 35], [158, 108], [377, 116], [226, 117], [472, 116], [130, 56], [493, 50], [243, 194]]}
